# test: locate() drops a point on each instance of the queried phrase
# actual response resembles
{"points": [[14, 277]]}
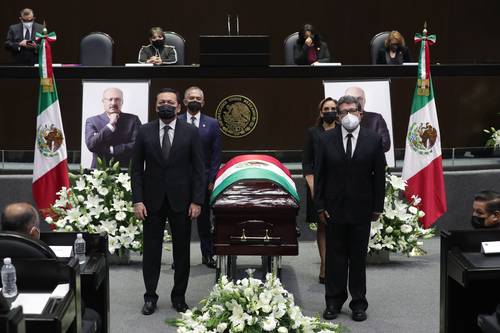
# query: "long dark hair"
{"points": [[319, 120], [315, 36]]}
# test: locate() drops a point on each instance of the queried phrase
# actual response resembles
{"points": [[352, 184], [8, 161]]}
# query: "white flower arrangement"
{"points": [[99, 202], [250, 305], [398, 228], [494, 139]]}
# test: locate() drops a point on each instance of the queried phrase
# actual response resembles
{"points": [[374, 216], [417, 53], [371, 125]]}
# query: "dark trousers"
{"points": [[154, 226], [205, 228], [346, 249]]}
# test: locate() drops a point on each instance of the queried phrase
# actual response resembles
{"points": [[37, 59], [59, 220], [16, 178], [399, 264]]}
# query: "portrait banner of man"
{"points": [[375, 99], [112, 112]]}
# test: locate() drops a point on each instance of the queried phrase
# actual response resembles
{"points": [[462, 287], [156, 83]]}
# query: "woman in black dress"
{"points": [[326, 121], [395, 52], [309, 48]]}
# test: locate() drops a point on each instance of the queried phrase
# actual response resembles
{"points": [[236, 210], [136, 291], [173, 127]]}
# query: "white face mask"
{"points": [[28, 25], [350, 122]]}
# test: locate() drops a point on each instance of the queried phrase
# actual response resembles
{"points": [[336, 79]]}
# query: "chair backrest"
{"points": [[176, 40], [96, 49], [17, 246], [288, 47], [376, 44]]}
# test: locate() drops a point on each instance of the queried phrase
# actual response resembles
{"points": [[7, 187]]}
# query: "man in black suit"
{"points": [[371, 120], [21, 38], [112, 133], [167, 182], [349, 193]]}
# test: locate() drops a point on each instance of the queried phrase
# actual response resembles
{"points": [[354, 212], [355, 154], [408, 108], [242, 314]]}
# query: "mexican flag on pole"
{"points": [[423, 169], [50, 171]]}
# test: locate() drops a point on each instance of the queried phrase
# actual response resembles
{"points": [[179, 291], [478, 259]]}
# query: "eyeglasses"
{"points": [[344, 112]]}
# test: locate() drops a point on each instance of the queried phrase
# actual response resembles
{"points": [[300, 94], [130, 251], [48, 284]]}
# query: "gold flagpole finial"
{"points": [[45, 31], [425, 28]]}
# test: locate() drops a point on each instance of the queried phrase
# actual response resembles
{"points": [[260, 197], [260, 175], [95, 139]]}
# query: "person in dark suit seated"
{"points": [[349, 188], [326, 121], [194, 100], [111, 134], [486, 210], [371, 120], [21, 38], [22, 218], [309, 48], [395, 51], [157, 52], [168, 181]]}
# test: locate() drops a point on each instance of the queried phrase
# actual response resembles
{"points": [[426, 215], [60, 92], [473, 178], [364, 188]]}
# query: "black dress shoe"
{"points": [[321, 280], [148, 308], [331, 312], [180, 306], [208, 261], [359, 315]]}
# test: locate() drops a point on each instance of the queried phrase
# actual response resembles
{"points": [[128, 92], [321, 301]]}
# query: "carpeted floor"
{"points": [[403, 295]]}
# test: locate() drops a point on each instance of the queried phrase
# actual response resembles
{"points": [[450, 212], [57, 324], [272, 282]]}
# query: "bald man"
{"points": [[23, 218], [112, 133], [371, 120]]}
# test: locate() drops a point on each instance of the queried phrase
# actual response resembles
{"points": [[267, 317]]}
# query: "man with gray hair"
{"points": [[349, 188], [112, 133], [21, 38], [371, 120]]}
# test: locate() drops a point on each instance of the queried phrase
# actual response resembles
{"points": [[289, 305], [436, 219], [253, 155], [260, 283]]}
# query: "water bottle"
{"points": [[79, 248], [9, 287]]}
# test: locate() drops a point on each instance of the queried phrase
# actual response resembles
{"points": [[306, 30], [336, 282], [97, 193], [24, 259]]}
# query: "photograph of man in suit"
{"points": [[371, 120], [194, 100], [112, 133], [349, 193], [21, 38], [167, 182]]}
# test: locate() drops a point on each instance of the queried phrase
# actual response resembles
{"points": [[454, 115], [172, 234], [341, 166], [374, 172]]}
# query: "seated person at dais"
{"points": [[309, 48], [157, 52], [486, 210], [395, 51]]}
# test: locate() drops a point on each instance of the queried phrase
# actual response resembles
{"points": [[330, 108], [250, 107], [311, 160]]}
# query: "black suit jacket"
{"points": [[375, 122], [21, 55], [180, 178], [402, 56], [300, 53], [351, 191]]}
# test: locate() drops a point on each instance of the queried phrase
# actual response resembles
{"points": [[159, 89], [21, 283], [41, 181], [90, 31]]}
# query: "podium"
{"points": [[94, 274], [469, 280]]}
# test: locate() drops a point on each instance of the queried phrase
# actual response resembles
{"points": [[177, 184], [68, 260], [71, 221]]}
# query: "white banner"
{"points": [[378, 99], [135, 101]]}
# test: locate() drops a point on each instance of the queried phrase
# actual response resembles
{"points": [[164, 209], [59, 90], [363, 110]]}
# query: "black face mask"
{"points": [[158, 43], [194, 106], [166, 111], [477, 222], [329, 117], [394, 47]]}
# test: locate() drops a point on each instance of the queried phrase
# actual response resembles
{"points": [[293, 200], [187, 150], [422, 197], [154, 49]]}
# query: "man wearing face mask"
{"points": [[371, 120], [208, 127], [157, 52], [21, 38], [349, 191], [167, 182], [486, 210], [22, 218]]}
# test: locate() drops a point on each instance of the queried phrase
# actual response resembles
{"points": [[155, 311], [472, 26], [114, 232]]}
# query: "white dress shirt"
{"points": [[354, 138], [170, 132], [196, 121]]}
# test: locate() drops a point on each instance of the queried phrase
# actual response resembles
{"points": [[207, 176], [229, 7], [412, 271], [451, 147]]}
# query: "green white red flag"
{"points": [[50, 171], [253, 167], [422, 168]]}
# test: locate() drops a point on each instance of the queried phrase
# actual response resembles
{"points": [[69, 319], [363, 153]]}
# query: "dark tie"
{"points": [[27, 34], [348, 151], [193, 120], [165, 144]]}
